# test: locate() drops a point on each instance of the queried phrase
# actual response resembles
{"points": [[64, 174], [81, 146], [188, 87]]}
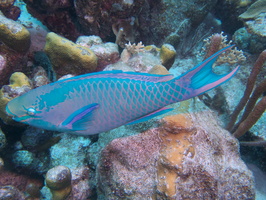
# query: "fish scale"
{"points": [[98, 102]]}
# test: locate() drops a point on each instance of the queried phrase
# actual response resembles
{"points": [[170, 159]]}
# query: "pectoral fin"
{"points": [[151, 115], [81, 118]]}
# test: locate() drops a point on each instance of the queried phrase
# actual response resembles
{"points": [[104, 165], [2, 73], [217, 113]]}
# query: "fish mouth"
{"points": [[14, 116], [9, 113]]}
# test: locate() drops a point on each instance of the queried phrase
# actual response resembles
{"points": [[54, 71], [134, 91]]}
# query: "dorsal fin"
{"points": [[122, 75]]}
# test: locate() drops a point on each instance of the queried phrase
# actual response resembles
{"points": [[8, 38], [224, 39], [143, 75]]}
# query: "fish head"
{"points": [[28, 109]]}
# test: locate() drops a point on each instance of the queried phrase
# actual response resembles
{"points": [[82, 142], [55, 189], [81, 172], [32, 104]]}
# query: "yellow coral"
{"points": [[17, 80], [14, 35], [68, 57], [167, 55]]}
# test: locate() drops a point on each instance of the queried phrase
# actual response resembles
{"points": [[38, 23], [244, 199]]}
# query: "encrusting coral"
{"points": [[75, 58]]}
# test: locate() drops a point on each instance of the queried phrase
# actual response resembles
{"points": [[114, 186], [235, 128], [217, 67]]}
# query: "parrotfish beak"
{"points": [[13, 111]]}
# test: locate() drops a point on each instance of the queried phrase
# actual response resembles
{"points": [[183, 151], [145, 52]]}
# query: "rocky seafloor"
{"points": [[188, 153]]}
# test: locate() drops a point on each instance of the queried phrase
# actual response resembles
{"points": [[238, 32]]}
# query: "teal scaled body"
{"points": [[98, 102]]}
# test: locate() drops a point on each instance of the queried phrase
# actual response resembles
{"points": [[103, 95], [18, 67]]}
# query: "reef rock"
{"points": [[15, 184], [57, 16], [254, 18], [10, 192], [122, 21], [148, 59], [249, 42], [15, 42], [107, 53], [188, 157]]}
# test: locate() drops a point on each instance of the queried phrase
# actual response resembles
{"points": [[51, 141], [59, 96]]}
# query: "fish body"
{"points": [[98, 102]]}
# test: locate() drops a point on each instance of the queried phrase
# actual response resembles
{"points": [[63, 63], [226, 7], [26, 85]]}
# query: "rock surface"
{"points": [[187, 157]]}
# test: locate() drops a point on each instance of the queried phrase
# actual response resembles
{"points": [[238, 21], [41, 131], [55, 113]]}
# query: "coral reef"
{"points": [[15, 42], [60, 153], [75, 58], [19, 84], [218, 41], [171, 161], [149, 59], [14, 35], [79, 183], [80, 187], [158, 69], [9, 10], [167, 55], [35, 139], [185, 156], [107, 53], [254, 18], [33, 191], [121, 21], [10, 192], [58, 180], [24, 159], [249, 42], [6, 3], [40, 77], [56, 15], [18, 181]]}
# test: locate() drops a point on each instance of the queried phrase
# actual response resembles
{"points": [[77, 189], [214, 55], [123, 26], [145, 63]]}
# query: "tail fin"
{"points": [[201, 78]]}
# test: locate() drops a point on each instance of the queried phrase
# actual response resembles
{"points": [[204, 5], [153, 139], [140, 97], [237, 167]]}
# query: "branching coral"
{"points": [[218, 41], [131, 49], [135, 48]]}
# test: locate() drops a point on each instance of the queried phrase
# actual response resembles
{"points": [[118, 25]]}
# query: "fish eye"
{"points": [[31, 111]]}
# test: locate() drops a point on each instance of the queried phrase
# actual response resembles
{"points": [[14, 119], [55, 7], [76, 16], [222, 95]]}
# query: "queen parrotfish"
{"points": [[97, 102]]}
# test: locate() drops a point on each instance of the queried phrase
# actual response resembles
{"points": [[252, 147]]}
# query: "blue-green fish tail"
{"points": [[200, 78]]}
